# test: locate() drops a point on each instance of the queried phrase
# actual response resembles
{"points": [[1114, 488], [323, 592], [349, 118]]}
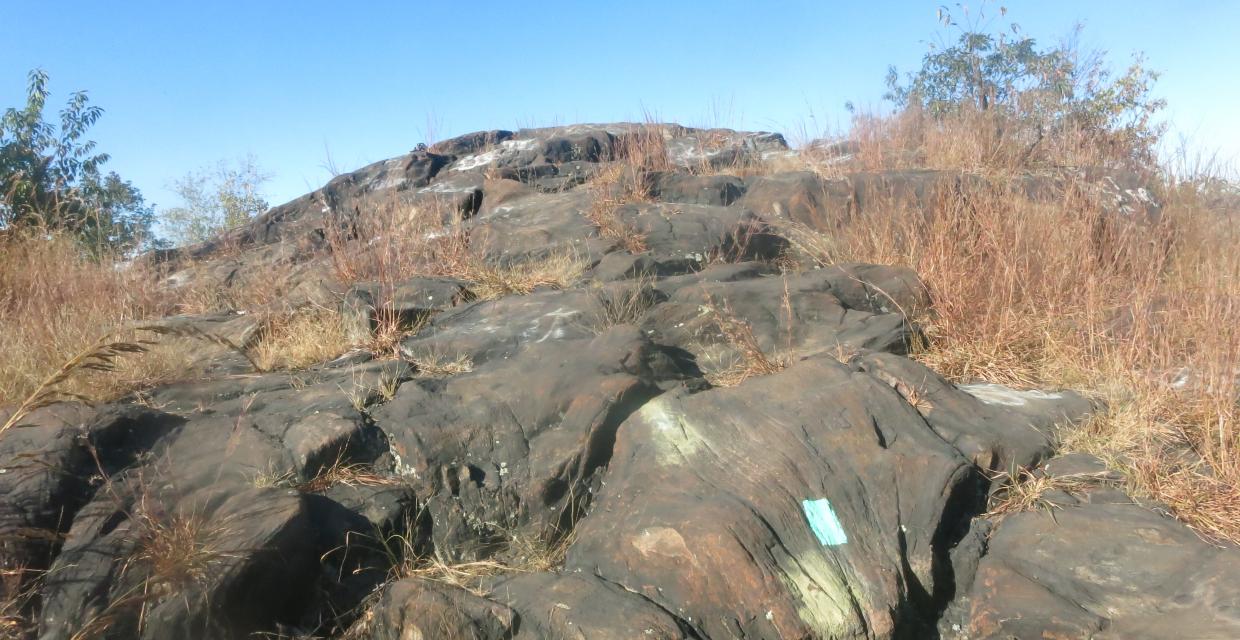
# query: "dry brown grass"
{"points": [[1062, 292], [644, 148], [436, 365], [1024, 491], [172, 553], [348, 474], [396, 242], [214, 285], [300, 339], [623, 303], [638, 153], [556, 270], [18, 593], [176, 551], [975, 140], [611, 189], [523, 554], [55, 302]]}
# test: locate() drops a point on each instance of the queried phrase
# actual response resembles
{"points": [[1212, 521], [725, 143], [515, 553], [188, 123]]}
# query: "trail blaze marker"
{"points": [[824, 523]]}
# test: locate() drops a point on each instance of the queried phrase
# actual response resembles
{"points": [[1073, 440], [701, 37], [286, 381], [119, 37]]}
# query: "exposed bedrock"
{"points": [[688, 429]]}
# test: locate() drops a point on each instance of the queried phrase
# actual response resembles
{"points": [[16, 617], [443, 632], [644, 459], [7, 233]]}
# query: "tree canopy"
{"points": [[51, 176], [985, 66]]}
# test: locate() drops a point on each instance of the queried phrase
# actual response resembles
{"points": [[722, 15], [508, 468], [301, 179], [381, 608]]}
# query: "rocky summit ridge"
{"points": [[670, 423]]}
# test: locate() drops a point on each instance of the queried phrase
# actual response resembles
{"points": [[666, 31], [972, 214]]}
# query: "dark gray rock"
{"points": [[206, 536], [407, 303], [534, 227], [55, 460], [1102, 570], [43, 481], [799, 196], [840, 497], [498, 329], [718, 190], [415, 608], [514, 447], [827, 310], [222, 562], [685, 237], [471, 142], [564, 606], [994, 430]]}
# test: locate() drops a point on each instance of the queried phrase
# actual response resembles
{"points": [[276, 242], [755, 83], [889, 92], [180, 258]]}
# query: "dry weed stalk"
{"points": [[622, 304], [556, 270], [175, 550], [198, 291], [1025, 490], [55, 302], [978, 140], [639, 153], [396, 242], [104, 356], [348, 474], [610, 190], [752, 360], [19, 587]]}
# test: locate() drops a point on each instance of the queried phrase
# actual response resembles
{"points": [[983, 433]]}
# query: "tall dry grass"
{"points": [[985, 141], [301, 338], [56, 300], [1065, 291]]}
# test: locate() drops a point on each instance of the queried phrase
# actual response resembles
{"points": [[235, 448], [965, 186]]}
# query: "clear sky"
{"points": [[187, 84]]}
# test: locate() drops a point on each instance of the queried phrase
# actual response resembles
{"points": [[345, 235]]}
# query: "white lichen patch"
{"points": [[447, 187], [992, 393], [519, 145], [550, 326], [477, 160], [675, 438], [505, 149], [399, 466]]}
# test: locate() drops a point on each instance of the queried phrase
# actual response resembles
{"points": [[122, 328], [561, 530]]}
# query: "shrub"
{"points": [[1055, 105], [214, 200]]}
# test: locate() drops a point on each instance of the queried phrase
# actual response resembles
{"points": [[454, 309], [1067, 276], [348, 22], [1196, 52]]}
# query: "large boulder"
{"points": [[828, 509], [1087, 561]]}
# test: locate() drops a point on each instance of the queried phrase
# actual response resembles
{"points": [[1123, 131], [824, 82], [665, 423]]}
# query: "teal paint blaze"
{"points": [[824, 522]]}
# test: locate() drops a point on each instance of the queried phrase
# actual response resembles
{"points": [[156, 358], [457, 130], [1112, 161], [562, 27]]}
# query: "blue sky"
{"points": [[187, 84]]}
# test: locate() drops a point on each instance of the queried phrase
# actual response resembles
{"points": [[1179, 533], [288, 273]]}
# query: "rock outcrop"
{"points": [[698, 436]]}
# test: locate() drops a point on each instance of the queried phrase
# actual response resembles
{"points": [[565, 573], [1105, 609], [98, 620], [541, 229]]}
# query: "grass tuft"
{"points": [[300, 339]]}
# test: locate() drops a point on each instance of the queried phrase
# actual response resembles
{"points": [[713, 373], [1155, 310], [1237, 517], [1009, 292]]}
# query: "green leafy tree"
{"points": [[214, 200], [51, 175], [1043, 91]]}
